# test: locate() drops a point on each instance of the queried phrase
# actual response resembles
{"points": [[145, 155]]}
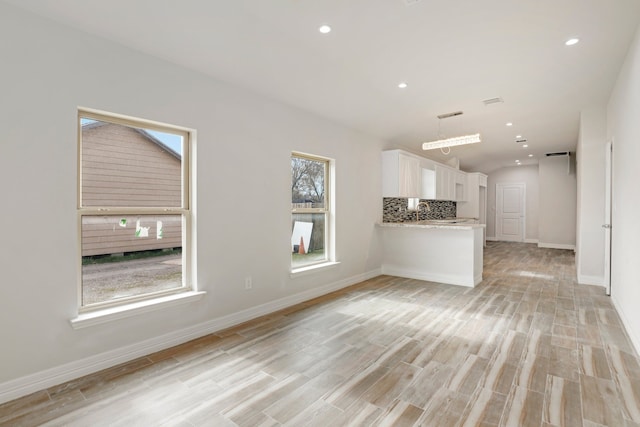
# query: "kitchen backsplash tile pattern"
{"points": [[395, 209]]}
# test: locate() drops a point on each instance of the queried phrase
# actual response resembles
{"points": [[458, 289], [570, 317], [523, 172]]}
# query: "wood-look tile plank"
{"points": [[523, 409], [599, 402], [593, 362], [399, 414], [384, 391], [484, 408]]}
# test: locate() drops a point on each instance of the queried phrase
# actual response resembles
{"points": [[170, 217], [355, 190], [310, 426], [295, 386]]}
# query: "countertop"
{"points": [[432, 224]]}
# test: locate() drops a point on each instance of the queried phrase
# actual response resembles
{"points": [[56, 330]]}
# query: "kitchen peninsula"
{"points": [[436, 251], [423, 234]]}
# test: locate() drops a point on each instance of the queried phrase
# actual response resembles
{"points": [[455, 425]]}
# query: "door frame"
{"points": [[608, 204], [523, 217]]}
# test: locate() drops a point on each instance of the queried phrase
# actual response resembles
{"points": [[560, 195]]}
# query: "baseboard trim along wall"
{"points": [[590, 280], [556, 246], [631, 332], [494, 239], [438, 278], [50, 377]]}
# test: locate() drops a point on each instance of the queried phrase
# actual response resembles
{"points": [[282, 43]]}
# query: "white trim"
{"points": [[635, 340], [556, 246], [590, 280], [531, 241], [491, 238], [315, 268], [28, 384], [110, 314], [449, 279]]}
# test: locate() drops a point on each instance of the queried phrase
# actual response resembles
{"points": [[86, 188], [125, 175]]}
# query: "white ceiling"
{"points": [[452, 53]]}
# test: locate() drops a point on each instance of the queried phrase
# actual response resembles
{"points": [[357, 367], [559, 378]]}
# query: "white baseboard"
{"points": [[430, 277], [556, 246], [495, 239], [632, 333], [590, 280], [23, 386]]}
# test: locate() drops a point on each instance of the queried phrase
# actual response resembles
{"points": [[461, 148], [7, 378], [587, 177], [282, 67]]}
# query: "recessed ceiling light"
{"points": [[530, 155], [402, 85], [324, 29], [571, 42], [509, 124], [517, 161], [518, 136], [525, 146]]}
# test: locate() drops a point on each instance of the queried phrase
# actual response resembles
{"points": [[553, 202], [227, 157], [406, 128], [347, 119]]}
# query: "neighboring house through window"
{"points": [[310, 210], [133, 209]]}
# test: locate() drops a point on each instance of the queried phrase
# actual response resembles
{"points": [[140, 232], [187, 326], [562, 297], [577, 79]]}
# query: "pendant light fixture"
{"points": [[450, 142]]}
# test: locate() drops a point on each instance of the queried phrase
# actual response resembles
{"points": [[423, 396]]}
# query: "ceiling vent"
{"points": [[447, 115], [559, 153], [410, 2], [490, 101], [522, 141]]}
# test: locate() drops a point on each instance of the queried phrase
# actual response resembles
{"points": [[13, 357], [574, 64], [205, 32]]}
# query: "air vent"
{"points": [[490, 101], [410, 2], [560, 153], [521, 141], [447, 115]]}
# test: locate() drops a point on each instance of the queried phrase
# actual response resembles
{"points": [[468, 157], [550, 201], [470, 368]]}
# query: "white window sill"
{"points": [[304, 271], [127, 310]]}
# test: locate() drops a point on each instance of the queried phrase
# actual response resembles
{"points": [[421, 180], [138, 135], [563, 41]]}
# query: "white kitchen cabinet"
{"points": [[401, 174], [408, 175], [445, 183], [471, 207], [475, 205], [461, 186]]}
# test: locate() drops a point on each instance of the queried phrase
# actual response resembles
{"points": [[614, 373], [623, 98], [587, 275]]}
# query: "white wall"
{"points": [[244, 143], [590, 171], [624, 127], [527, 175], [557, 214]]}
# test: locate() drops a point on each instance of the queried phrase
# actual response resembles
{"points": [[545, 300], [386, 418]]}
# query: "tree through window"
{"points": [[310, 210]]}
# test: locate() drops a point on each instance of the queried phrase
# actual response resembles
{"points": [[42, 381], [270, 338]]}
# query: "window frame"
{"points": [[327, 210], [185, 210]]}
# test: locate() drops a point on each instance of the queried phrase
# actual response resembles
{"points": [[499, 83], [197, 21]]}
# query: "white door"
{"points": [[607, 217], [510, 212]]}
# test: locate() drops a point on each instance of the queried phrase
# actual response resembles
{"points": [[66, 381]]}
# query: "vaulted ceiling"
{"points": [[452, 55]]}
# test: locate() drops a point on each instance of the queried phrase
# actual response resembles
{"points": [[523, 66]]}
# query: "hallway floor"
{"points": [[527, 347]]}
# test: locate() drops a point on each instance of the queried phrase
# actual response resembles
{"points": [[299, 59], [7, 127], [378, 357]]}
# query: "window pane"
{"points": [[126, 256], [307, 183], [308, 239], [130, 167]]}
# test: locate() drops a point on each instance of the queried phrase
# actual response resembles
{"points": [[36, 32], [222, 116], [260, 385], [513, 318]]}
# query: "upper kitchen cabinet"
{"points": [[445, 183], [401, 174], [475, 204], [461, 186], [407, 175]]}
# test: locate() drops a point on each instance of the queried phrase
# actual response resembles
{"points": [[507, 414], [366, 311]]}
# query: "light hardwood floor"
{"points": [[527, 347]]}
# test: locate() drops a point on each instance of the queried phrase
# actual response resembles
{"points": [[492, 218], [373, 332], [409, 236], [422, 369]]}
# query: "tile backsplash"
{"points": [[395, 209]]}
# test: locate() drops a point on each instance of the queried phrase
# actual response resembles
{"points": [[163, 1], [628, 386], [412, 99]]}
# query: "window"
{"points": [[133, 209], [310, 213]]}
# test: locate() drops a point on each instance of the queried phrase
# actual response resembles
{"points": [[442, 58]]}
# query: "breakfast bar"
{"points": [[436, 251]]}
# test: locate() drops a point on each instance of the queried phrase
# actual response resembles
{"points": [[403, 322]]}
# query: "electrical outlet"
{"points": [[248, 283]]}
